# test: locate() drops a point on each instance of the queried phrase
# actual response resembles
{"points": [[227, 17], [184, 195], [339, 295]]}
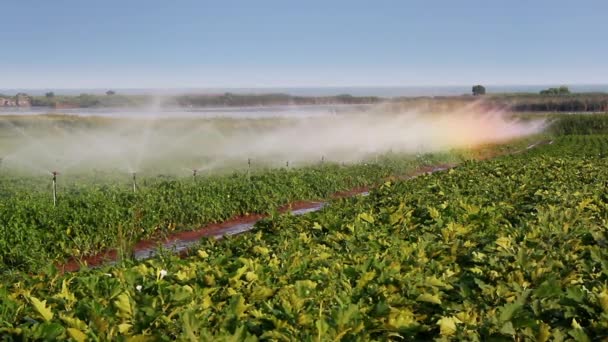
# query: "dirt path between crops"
{"points": [[180, 242]]}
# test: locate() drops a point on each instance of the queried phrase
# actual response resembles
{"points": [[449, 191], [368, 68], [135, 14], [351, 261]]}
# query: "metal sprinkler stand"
{"points": [[194, 172], [54, 173], [134, 181], [248, 167]]}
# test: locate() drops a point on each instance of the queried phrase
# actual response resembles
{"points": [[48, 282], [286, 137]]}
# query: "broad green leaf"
{"points": [[366, 217], [508, 311], [123, 304], [261, 293], [41, 308], [426, 297], [77, 335], [447, 325], [124, 328]]}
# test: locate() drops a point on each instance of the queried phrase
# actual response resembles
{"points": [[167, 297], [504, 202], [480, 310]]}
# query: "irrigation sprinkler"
{"points": [[134, 181], [287, 164], [54, 173], [194, 173], [322, 160], [248, 167]]}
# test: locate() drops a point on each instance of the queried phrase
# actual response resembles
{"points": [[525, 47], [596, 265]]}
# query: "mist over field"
{"points": [[158, 142]]}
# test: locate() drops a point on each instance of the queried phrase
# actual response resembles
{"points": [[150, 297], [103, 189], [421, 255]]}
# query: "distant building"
{"points": [[7, 102], [21, 100]]}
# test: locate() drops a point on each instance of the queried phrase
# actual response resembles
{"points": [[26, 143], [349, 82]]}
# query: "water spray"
{"points": [[54, 173], [134, 181]]}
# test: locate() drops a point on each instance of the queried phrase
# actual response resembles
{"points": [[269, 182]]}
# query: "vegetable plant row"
{"points": [[508, 249], [92, 216]]}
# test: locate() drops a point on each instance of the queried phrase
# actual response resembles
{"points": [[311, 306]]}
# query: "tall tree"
{"points": [[478, 90]]}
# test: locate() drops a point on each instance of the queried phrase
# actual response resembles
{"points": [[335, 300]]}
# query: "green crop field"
{"points": [[97, 210], [509, 248]]}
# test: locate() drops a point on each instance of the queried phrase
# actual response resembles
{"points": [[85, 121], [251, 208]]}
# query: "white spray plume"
{"points": [[156, 143]]}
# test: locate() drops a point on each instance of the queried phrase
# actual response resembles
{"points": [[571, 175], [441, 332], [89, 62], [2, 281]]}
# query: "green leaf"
{"points": [[578, 333], [400, 319], [41, 308], [507, 329], [261, 293], [447, 325], [548, 289], [123, 304], [366, 217], [508, 311], [238, 306], [365, 279], [77, 335], [575, 293], [426, 297]]}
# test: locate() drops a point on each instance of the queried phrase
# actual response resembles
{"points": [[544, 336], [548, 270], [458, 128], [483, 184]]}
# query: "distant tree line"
{"points": [[549, 100], [573, 103], [559, 99], [238, 100], [563, 90], [110, 99]]}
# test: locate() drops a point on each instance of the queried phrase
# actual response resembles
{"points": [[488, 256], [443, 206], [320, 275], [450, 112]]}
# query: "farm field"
{"points": [[301, 171], [102, 204], [507, 248]]}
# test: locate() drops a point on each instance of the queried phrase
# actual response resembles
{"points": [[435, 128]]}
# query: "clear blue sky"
{"points": [[167, 44]]}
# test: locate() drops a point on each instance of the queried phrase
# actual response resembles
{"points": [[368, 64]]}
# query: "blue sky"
{"points": [[178, 44]]}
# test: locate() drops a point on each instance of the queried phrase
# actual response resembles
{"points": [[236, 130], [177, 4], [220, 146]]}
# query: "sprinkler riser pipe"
{"points": [[248, 167], [54, 188], [54, 192]]}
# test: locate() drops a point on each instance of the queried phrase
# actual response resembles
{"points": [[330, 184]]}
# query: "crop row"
{"points": [[91, 216], [513, 248]]}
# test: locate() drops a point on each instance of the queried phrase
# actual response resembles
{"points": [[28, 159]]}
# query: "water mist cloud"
{"points": [[160, 144]]}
